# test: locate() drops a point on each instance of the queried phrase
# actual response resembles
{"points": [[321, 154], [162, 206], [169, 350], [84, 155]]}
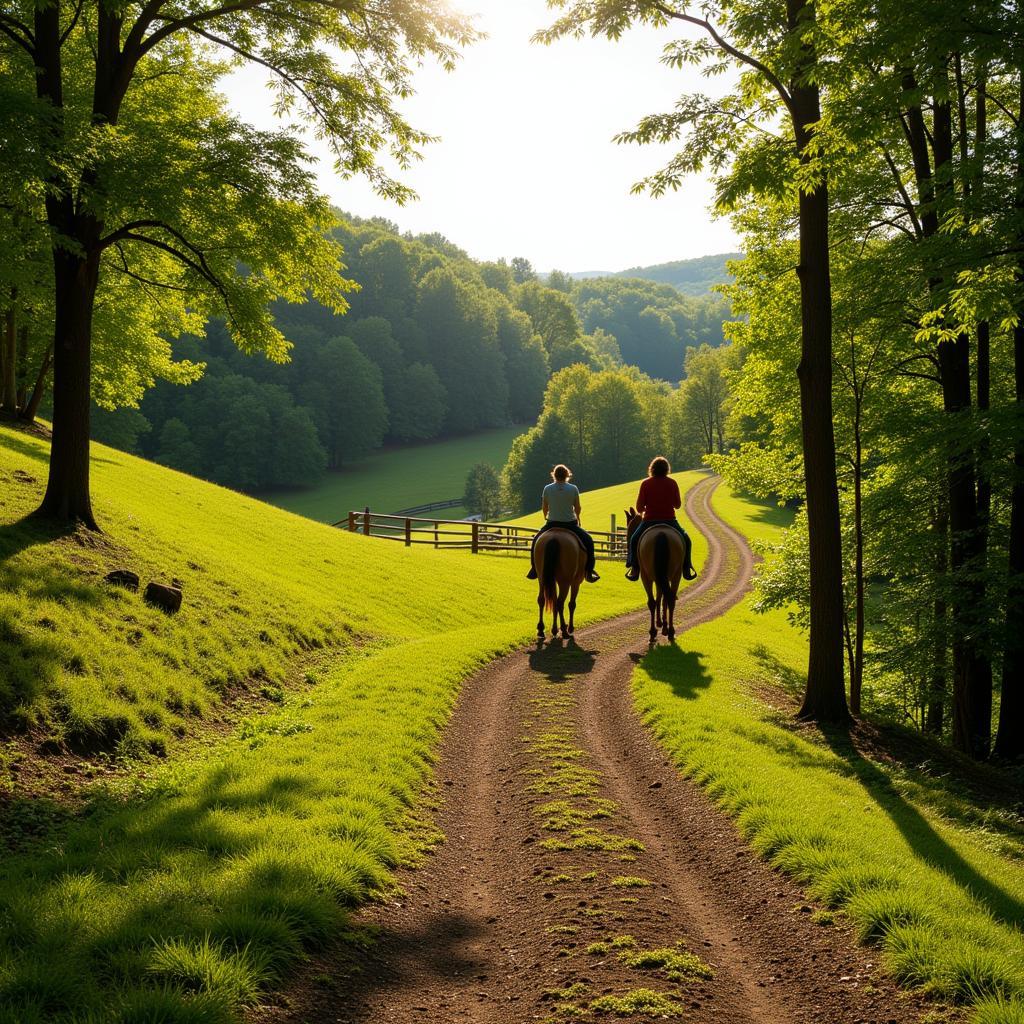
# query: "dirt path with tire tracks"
{"points": [[581, 877]]}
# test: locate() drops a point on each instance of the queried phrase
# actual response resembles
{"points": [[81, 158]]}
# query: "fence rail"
{"points": [[432, 506], [459, 534]]}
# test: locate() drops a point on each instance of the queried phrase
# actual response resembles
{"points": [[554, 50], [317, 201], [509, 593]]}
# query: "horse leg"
{"points": [[572, 607], [652, 604], [671, 617], [540, 611]]}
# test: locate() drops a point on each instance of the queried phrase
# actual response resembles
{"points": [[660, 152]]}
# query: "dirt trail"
{"points": [[581, 876]]}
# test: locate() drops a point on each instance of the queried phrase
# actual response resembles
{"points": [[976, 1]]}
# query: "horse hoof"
{"points": [[671, 635]]}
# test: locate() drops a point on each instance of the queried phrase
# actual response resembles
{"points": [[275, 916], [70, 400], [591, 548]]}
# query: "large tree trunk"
{"points": [[857, 669], [1010, 734], [825, 696], [67, 491], [972, 679]]}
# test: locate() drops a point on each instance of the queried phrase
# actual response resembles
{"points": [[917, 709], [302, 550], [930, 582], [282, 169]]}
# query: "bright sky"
{"points": [[526, 165]]}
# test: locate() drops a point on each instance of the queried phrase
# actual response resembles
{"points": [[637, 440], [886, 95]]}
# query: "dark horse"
{"points": [[663, 556], [560, 562]]}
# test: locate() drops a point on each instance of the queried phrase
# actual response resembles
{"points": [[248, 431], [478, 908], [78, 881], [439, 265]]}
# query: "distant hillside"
{"points": [[691, 277]]}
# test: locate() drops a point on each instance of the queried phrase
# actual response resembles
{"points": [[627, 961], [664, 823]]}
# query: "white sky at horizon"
{"points": [[526, 165]]}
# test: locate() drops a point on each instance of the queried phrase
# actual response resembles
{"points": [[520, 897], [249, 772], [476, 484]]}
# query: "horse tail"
{"points": [[549, 572], [661, 558]]}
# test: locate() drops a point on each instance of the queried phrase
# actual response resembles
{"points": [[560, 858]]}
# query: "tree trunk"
{"points": [[67, 490], [825, 696], [937, 690], [972, 698], [30, 409], [857, 669], [1010, 734], [8, 364]]}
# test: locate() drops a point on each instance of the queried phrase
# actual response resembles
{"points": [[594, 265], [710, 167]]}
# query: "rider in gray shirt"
{"points": [[561, 506]]}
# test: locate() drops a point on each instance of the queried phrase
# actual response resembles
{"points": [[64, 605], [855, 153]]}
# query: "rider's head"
{"points": [[659, 466], [561, 473]]}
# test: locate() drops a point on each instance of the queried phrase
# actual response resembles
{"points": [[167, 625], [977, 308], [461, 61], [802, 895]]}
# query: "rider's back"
{"points": [[561, 498]]}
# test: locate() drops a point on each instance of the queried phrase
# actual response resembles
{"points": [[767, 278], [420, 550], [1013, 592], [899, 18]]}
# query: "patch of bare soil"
{"points": [[582, 878]]}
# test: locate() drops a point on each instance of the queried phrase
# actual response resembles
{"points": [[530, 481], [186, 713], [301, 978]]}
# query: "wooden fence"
{"points": [[433, 506], [459, 534]]}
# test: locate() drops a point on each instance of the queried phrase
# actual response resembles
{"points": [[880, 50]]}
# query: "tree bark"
{"points": [[972, 670], [1010, 733], [857, 668], [67, 495], [825, 695]]}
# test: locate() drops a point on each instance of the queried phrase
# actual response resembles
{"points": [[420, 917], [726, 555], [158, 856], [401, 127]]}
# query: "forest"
{"points": [[881, 328], [433, 344]]}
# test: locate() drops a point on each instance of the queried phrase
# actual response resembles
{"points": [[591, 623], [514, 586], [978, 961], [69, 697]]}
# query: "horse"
{"points": [[663, 556], [561, 563]]}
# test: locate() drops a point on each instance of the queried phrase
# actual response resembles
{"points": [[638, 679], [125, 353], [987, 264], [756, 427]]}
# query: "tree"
{"points": [[778, 51], [420, 404], [482, 495], [234, 208], [522, 270]]}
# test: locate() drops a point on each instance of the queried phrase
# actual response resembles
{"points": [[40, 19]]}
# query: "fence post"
{"points": [[366, 520], [351, 522], [408, 532], [613, 541], [476, 538]]}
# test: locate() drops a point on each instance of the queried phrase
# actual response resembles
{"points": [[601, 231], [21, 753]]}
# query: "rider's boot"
{"points": [[532, 574], [633, 573], [592, 577]]}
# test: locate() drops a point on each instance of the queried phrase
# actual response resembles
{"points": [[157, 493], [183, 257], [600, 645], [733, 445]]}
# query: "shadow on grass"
{"points": [[684, 671], [559, 660], [33, 652], [15, 443], [219, 867], [915, 828], [918, 832]]}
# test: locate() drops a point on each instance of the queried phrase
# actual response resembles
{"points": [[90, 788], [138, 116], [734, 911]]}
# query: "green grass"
{"points": [[178, 897], [938, 886], [401, 478]]}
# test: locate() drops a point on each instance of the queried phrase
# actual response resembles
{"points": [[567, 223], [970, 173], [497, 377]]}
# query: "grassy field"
{"points": [[931, 870], [176, 897], [401, 478]]}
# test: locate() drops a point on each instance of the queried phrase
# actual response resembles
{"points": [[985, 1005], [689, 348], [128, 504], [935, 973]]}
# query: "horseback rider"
{"points": [[561, 507], [657, 503]]}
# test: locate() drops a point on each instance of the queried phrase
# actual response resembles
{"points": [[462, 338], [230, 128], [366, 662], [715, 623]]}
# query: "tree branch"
{"points": [[739, 55], [19, 33]]}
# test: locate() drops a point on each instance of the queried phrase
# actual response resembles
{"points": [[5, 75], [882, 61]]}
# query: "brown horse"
{"points": [[663, 556], [560, 562]]}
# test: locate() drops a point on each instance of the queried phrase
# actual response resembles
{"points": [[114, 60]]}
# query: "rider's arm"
{"points": [[544, 506], [576, 508], [640, 503], [679, 500]]}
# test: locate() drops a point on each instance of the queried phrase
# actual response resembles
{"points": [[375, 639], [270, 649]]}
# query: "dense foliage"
{"points": [[607, 424], [877, 149], [434, 344]]}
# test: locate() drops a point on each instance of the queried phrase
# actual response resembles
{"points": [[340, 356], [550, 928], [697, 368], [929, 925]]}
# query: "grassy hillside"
{"points": [[401, 478], [922, 852], [175, 899], [692, 277]]}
